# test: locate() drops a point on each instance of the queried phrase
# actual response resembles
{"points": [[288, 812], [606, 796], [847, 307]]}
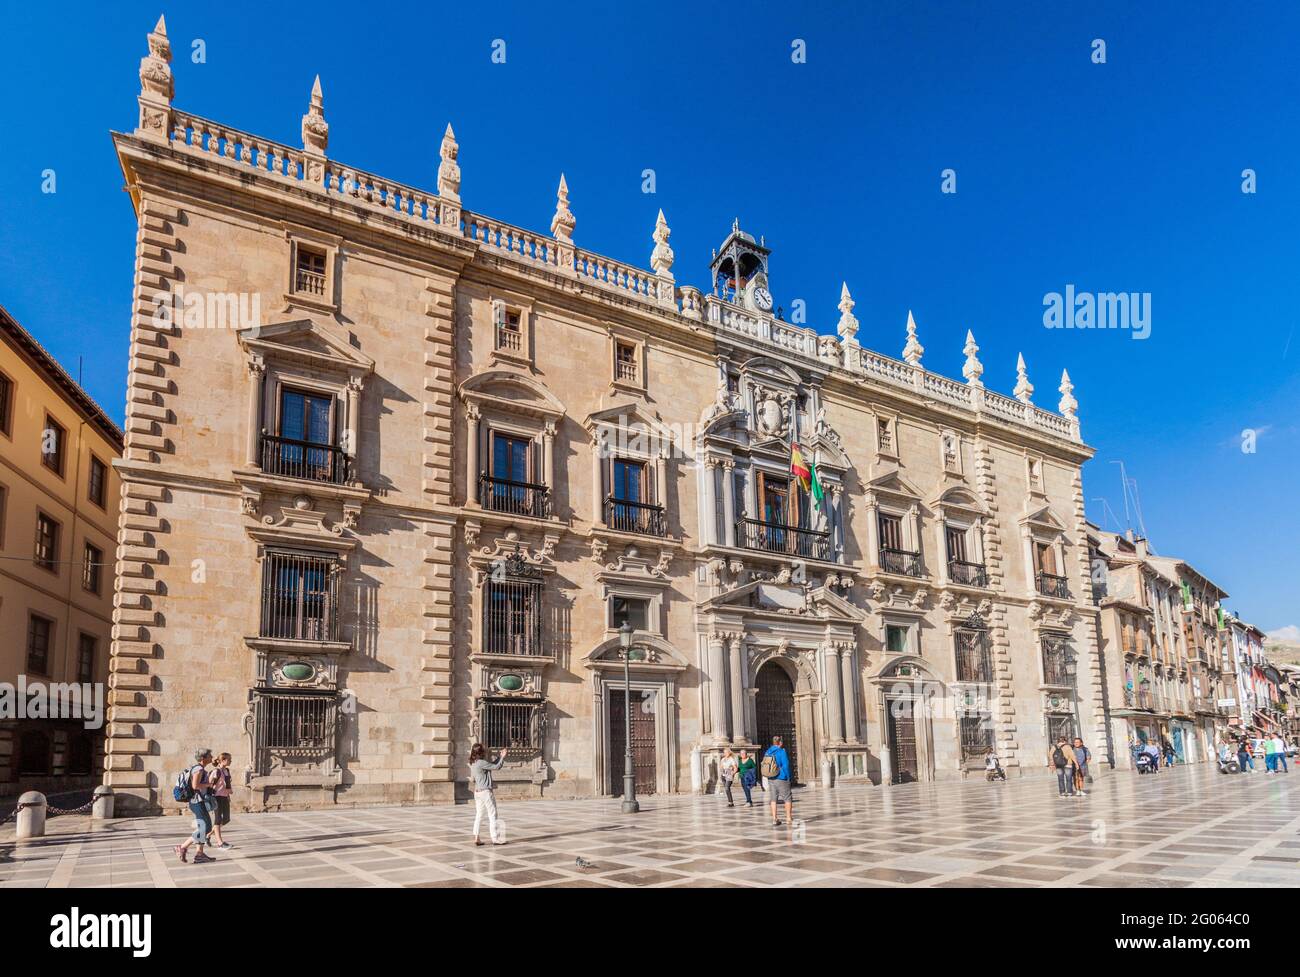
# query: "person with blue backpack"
{"points": [[191, 789], [776, 771]]}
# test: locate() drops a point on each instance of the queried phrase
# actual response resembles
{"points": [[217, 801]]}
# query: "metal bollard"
{"points": [[31, 819], [103, 804]]}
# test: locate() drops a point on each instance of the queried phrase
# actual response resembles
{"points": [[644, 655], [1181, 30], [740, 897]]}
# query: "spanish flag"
{"points": [[806, 472]]}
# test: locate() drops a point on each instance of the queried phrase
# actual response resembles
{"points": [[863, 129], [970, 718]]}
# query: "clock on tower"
{"points": [[740, 271]]}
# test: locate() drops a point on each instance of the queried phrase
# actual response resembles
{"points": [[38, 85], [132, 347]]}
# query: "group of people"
{"points": [[208, 799], [1070, 761], [1272, 748], [774, 770]]}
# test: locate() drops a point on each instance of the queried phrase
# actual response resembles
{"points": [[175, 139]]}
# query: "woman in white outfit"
{"points": [[480, 773], [727, 768]]}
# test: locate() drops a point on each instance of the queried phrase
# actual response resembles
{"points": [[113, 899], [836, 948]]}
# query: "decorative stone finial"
{"points": [[449, 169], [848, 326], [661, 258], [913, 351], [155, 67], [315, 130], [1024, 389], [1069, 406], [563, 223], [973, 369]]}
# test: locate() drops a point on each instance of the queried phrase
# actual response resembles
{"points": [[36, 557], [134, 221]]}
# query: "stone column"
{"points": [[354, 422], [915, 513], [872, 516], [718, 687], [710, 504], [837, 522], [661, 480], [737, 678], [472, 445], [834, 694], [728, 503], [548, 461], [941, 553], [597, 483], [257, 388], [849, 677]]}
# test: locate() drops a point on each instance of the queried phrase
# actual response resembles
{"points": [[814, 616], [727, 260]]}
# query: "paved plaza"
{"points": [[1190, 826]]}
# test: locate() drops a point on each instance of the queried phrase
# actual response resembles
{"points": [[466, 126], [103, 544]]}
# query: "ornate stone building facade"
{"points": [[411, 506]]}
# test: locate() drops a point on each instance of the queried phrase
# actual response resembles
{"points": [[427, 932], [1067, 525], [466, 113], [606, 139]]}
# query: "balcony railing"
{"points": [[309, 282], [904, 562], [516, 498], [304, 459], [300, 597], [772, 537], [635, 517], [1053, 585], [970, 574], [509, 338]]}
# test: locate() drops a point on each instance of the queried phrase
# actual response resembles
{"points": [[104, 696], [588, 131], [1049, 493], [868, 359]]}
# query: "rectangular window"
{"points": [[96, 482], [512, 615], [510, 457], [956, 537], [40, 631], [293, 731], [6, 404], [309, 276], [305, 417], [629, 478], [976, 736], [891, 531], [973, 661], [625, 362], [47, 543], [1045, 558], [87, 645], [896, 639], [53, 445], [4, 502], [630, 610], [91, 563], [1056, 661], [509, 332], [300, 594]]}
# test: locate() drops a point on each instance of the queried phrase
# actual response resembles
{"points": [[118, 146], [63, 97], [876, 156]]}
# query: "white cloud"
{"points": [[1289, 634]]}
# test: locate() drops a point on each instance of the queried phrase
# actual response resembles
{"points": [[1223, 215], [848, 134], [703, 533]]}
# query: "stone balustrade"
{"points": [[194, 134]]}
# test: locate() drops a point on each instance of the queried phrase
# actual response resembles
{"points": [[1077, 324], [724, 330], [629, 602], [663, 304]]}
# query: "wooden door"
{"points": [[644, 757]]}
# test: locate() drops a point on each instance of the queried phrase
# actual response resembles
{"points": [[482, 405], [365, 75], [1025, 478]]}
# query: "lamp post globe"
{"points": [[630, 805]]}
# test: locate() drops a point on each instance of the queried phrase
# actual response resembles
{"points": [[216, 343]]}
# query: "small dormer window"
{"points": [[885, 435], [309, 272], [509, 329]]}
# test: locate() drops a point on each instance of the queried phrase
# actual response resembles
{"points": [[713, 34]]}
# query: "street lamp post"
{"points": [[630, 806]]}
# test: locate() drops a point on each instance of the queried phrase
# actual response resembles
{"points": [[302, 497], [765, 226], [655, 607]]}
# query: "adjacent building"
{"points": [[58, 517]]}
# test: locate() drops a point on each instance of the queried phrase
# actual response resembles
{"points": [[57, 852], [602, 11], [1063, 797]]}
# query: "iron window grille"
{"points": [[512, 609], [294, 731], [1056, 661], [300, 596], [511, 724], [973, 661]]}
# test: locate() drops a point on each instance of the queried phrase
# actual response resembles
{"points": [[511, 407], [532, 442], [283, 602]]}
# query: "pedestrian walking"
{"points": [[1270, 757], [485, 801], [748, 776], [1244, 760], [727, 768], [1279, 754], [219, 791], [192, 788], [1081, 757], [1167, 749], [1061, 759], [776, 771]]}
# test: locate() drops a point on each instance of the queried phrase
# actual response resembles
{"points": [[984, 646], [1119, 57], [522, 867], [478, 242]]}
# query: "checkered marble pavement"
{"points": [[1189, 826]]}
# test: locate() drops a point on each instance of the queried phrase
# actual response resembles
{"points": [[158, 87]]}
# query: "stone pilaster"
{"points": [[1004, 709]]}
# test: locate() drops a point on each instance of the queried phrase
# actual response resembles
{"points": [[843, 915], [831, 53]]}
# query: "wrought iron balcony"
{"points": [[970, 574], [635, 517], [1053, 585], [904, 562], [300, 597], [516, 498], [771, 537], [304, 459]]}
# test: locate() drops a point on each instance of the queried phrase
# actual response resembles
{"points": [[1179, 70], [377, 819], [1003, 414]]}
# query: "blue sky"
{"points": [[1123, 176]]}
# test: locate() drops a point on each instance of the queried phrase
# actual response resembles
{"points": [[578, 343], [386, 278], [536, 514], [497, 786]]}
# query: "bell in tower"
{"points": [[740, 271]]}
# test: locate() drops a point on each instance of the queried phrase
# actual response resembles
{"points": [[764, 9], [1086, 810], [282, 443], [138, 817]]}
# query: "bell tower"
{"points": [[739, 270]]}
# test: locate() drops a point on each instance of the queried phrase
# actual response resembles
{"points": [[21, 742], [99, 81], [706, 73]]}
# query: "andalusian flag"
{"points": [[806, 472]]}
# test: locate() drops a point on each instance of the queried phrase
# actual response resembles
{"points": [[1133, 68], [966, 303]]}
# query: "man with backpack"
{"points": [[1061, 759], [191, 789], [776, 770]]}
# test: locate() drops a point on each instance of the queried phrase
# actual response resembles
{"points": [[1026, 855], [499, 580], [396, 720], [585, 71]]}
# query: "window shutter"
{"points": [[499, 314]]}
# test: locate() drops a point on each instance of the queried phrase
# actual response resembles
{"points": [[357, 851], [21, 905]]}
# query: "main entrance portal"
{"points": [[644, 761], [774, 705]]}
